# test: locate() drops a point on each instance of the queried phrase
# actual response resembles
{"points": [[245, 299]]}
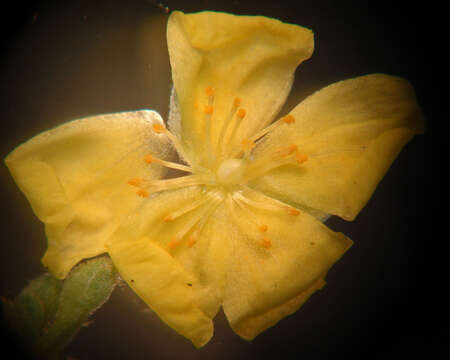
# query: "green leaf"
{"points": [[87, 287]]}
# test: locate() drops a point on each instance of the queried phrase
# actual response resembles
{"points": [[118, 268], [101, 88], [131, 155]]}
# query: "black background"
{"points": [[384, 299]]}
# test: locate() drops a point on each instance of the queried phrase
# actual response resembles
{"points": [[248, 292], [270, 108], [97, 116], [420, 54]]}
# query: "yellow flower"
{"points": [[242, 227]]}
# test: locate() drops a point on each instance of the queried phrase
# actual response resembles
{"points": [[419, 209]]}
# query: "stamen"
{"points": [[289, 155], [176, 214], [241, 113], [284, 152], [301, 158], [207, 123], [292, 211], [291, 149], [288, 119], [191, 241], [208, 109], [273, 206], [137, 181], [266, 243], [247, 146], [253, 218], [233, 126], [209, 91], [153, 186], [225, 127], [198, 219], [150, 159], [173, 243], [262, 228], [255, 204], [160, 128], [143, 193], [215, 199], [167, 218]]}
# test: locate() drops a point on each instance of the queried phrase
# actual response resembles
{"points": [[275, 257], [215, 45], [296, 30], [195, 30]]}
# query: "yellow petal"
{"points": [[164, 285], [75, 178], [255, 324], [274, 269], [218, 58], [351, 132], [258, 273], [174, 259]]}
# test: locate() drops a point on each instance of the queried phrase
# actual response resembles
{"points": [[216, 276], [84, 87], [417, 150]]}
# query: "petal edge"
{"points": [[75, 178]]}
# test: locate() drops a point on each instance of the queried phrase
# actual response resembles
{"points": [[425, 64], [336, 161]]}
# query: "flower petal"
{"points": [[253, 325], [272, 273], [185, 284], [164, 285], [351, 132], [75, 178], [154, 252], [218, 57]]}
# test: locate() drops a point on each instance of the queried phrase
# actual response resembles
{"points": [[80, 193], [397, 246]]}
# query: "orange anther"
{"points": [[149, 159], [292, 148], [248, 144], [135, 182], [288, 119], [191, 242], [263, 228], [266, 243], [174, 243], [209, 109], [301, 158], [241, 113], [237, 102], [293, 212], [209, 91], [158, 128], [143, 193], [167, 218]]}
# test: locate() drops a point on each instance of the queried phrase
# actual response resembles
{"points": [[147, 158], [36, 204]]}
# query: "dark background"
{"points": [[384, 298]]}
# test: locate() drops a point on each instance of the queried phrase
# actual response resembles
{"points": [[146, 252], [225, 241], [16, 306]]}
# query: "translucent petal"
{"points": [[178, 280], [252, 58], [75, 178], [272, 273], [164, 285], [228, 265], [253, 325], [351, 131]]}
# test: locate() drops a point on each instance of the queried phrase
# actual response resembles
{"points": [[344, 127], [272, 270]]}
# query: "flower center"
{"points": [[231, 172]]}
